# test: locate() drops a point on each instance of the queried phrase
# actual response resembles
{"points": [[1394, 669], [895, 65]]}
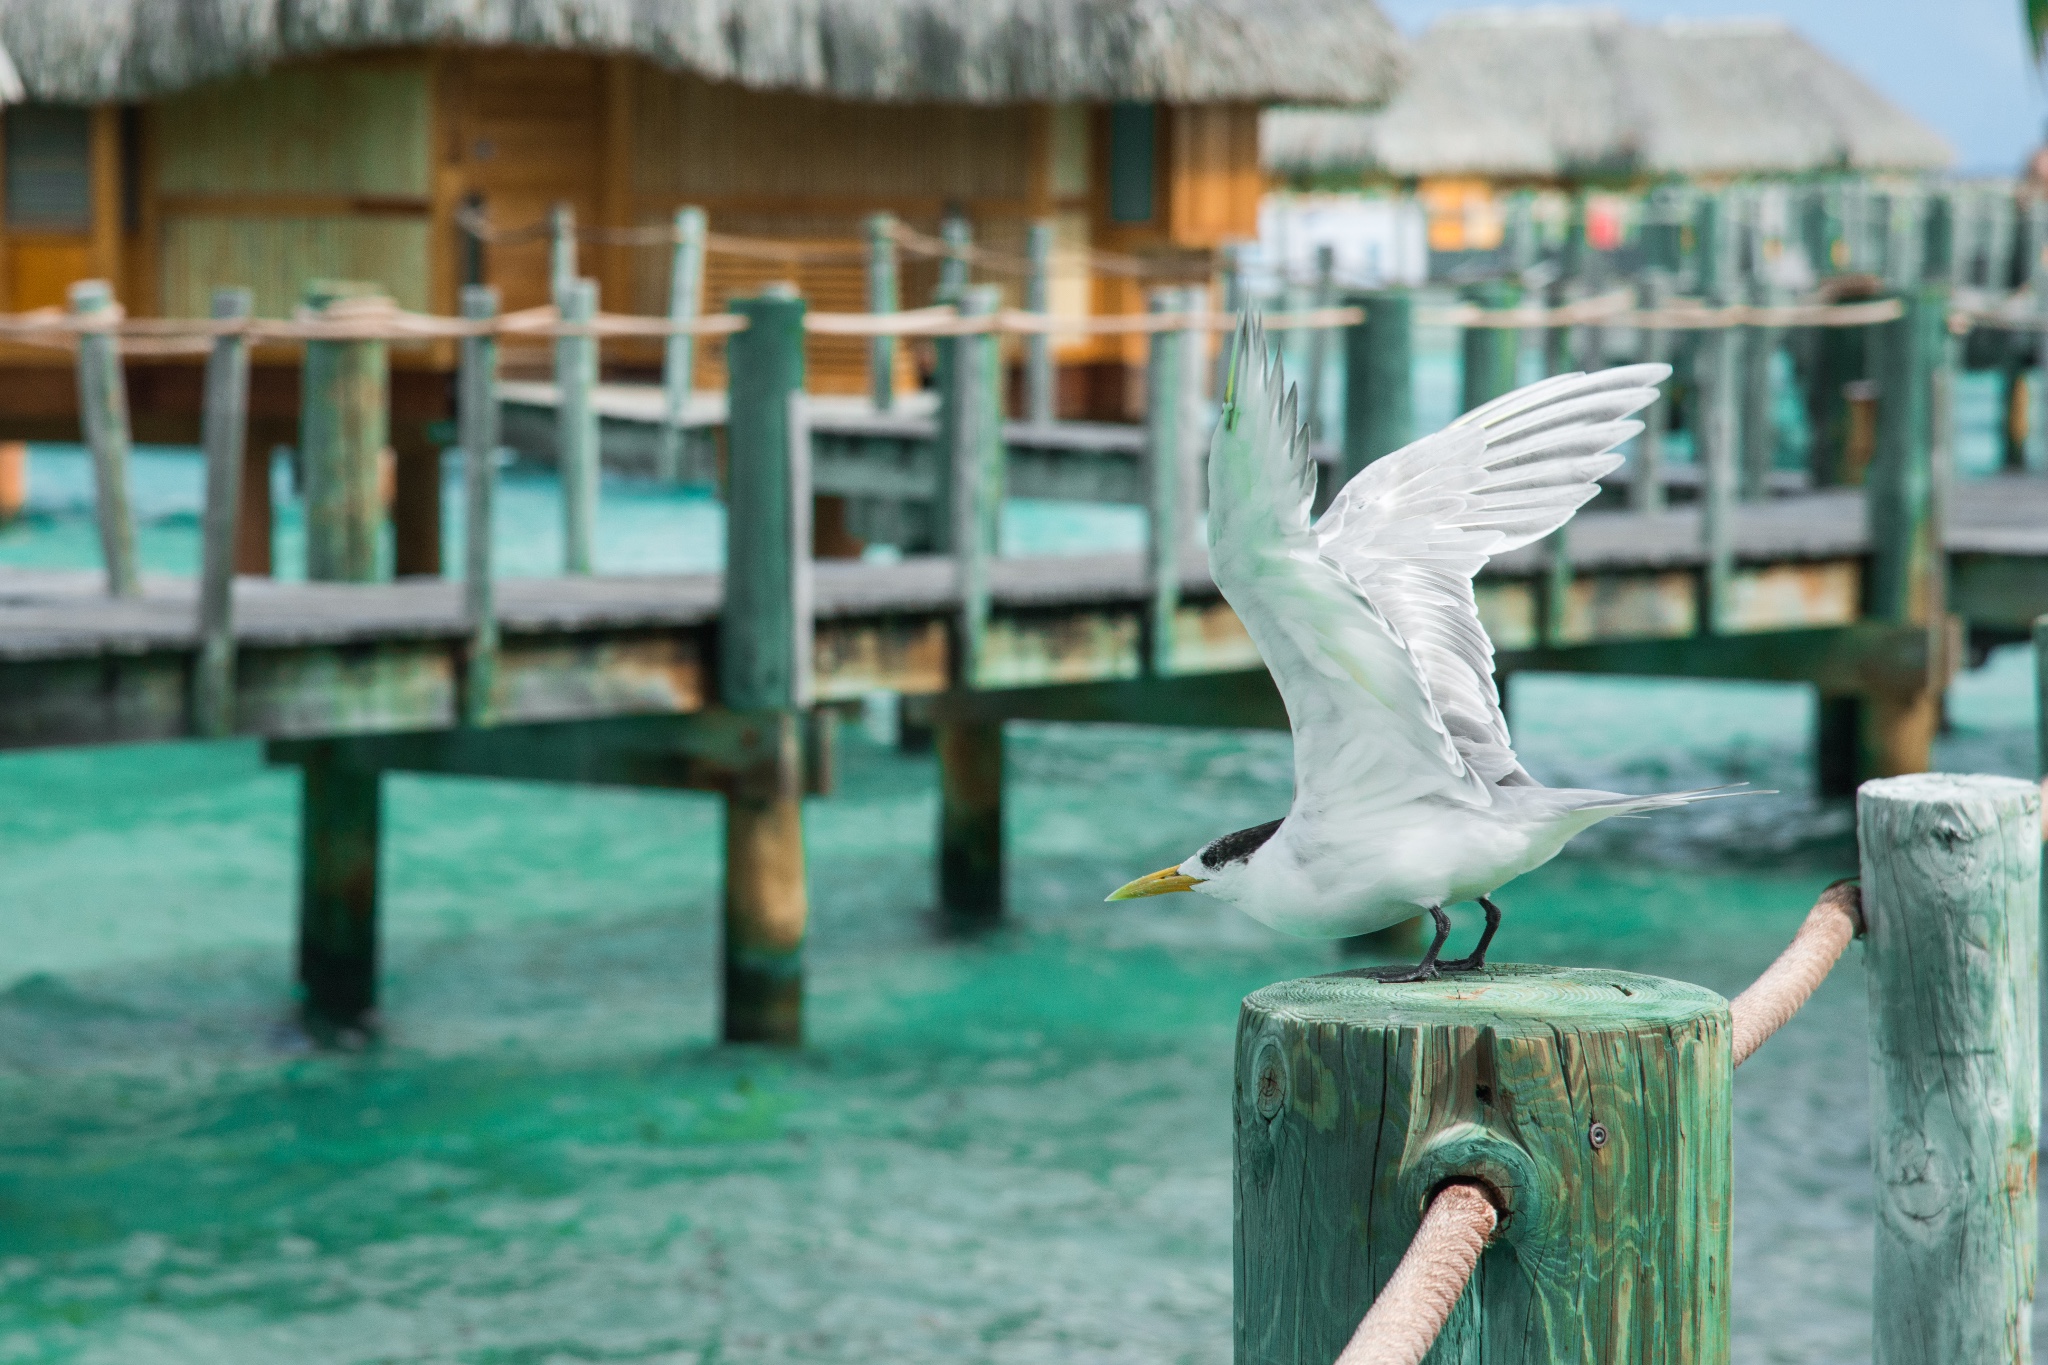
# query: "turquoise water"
{"points": [[1009, 1149]]}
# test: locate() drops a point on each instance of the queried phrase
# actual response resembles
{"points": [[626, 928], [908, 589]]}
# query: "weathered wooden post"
{"points": [[970, 752], [883, 297], [1039, 377], [764, 665], [2037, 279], [561, 250], [1952, 900], [1166, 436], [679, 352], [344, 440], [103, 416], [1570, 282], [577, 429], [340, 822], [1489, 352], [224, 426], [1646, 473], [1379, 378], [477, 419], [1759, 353], [1717, 385], [1594, 1106], [1316, 377], [958, 236]]}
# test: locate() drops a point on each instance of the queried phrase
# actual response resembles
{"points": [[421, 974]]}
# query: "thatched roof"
{"points": [[1570, 94], [965, 51]]}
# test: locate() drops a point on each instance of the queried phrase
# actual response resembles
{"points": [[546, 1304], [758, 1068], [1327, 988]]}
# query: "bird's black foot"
{"points": [[1427, 969], [1477, 960]]}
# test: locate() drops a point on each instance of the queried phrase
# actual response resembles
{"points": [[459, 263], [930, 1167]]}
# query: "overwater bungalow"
{"points": [[1569, 98], [173, 146]]}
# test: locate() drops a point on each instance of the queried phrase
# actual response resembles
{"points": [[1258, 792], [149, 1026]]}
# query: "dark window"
{"points": [[1133, 159], [49, 167]]}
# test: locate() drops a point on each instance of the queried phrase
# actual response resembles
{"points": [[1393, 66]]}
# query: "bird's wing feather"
{"points": [[1414, 527], [1366, 731]]}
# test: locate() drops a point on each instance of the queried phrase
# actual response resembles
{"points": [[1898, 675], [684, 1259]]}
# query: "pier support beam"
{"points": [[970, 822], [340, 820], [1592, 1105], [764, 664]]}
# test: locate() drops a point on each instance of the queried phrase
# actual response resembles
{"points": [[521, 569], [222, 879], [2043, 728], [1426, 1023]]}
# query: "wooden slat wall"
{"points": [[310, 170], [1213, 179]]}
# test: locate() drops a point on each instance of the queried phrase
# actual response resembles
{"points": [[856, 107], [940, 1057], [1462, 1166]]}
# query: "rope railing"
{"points": [[1619, 309], [380, 320], [1418, 1297]]}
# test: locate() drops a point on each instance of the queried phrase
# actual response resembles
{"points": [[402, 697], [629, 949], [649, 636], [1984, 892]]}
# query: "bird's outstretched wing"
{"points": [[1366, 731], [1414, 527]]}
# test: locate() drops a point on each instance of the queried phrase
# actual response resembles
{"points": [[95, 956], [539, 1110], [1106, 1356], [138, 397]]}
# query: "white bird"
{"points": [[1408, 796]]}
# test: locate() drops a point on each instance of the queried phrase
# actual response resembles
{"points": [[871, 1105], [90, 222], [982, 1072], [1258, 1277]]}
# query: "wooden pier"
{"points": [[726, 682]]}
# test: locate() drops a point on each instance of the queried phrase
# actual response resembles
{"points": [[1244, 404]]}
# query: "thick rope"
{"points": [[1787, 983], [1404, 1320]]}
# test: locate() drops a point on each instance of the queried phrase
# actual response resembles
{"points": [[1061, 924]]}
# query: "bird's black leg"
{"points": [[1426, 969], [1478, 957]]}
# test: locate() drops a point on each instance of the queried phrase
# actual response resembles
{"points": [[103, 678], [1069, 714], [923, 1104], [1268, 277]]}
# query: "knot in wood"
{"points": [[1270, 1081]]}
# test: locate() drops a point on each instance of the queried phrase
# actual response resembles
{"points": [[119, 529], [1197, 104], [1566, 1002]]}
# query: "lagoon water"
{"points": [[1012, 1149]]}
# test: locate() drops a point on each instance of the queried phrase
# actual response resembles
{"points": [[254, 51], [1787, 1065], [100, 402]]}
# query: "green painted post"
{"points": [[103, 417], [1939, 258], [764, 664], [1646, 476], [344, 437], [1593, 1105], [970, 753], [339, 834], [1569, 284], [883, 297], [1165, 437], [576, 426], [1314, 381], [970, 437], [1038, 368], [679, 352], [1379, 378], [1709, 248], [477, 418], [1759, 347], [958, 236], [224, 426], [1489, 352], [561, 251], [1952, 899], [1717, 370]]}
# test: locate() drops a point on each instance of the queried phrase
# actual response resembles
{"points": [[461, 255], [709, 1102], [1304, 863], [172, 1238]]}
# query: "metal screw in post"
{"points": [[1596, 1136]]}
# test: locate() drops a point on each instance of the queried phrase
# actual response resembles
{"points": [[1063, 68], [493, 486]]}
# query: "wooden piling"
{"points": [[477, 421], [1379, 378], [561, 250], [883, 297], [224, 426], [344, 434], [1646, 468], [577, 428], [339, 834], [1165, 437], [958, 237], [764, 666], [1315, 376], [1717, 386], [971, 501], [103, 416], [1489, 352], [1759, 417], [679, 352], [1952, 900], [970, 754], [1039, 396], [1907, 563], [1594, 1107]]}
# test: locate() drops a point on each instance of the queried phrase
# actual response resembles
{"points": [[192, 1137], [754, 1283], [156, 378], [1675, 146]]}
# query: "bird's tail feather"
{"points": [[1613, 803]]}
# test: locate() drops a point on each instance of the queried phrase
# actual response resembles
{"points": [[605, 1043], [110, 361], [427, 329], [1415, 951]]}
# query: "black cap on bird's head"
{"points": [[1217, 856]]}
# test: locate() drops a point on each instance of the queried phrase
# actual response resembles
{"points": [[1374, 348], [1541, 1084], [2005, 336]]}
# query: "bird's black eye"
{"points": [[1236, 847]]}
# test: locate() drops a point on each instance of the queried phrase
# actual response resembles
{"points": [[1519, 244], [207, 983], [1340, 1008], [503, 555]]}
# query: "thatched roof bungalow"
{"points": [[1566, 96], [177, 145]]}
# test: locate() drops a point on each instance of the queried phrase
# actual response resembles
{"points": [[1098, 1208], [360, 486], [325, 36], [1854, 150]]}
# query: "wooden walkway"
{"points": [[78, 667]]}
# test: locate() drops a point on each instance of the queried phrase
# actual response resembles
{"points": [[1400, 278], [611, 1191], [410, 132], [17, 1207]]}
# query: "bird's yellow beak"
{"points": [[1155, 884]]}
